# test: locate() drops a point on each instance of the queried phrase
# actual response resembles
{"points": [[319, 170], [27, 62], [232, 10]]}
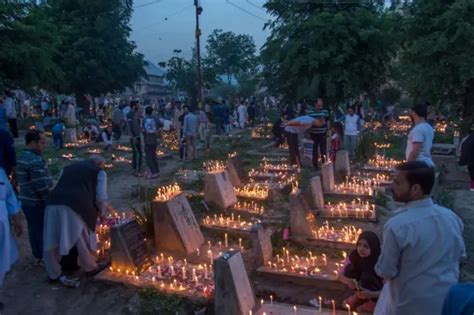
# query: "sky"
{"points": [[161, 26]]}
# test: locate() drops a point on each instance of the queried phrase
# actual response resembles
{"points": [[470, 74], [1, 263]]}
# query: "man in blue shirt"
{"points": [[319, 131]]}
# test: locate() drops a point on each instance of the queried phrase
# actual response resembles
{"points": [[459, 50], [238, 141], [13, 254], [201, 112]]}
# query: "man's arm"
{"points": [[388, 265], [415, 151]]}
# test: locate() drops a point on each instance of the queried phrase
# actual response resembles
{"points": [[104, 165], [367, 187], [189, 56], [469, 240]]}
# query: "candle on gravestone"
{"points": [[209, 253], [197, 252], [220, 245], [294, 309], [240, 243], [348, 309], [261, 302], [205, 271], [333, 306], [183, 270], [320, 304], [250, 312], [226, 244], [271, 299], [194, 275]]}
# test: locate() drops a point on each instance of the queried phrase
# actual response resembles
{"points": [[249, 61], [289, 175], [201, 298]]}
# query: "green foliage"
{"points": [[444, 198], [436, 58], [390, 95], [156, 302], [327, 50], [95, 53], [29, 39], [230, 54]]}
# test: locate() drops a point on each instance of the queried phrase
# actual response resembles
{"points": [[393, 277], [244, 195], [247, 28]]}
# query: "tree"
{"points": [[436, 61], [96, 55], [329, 50], [29, 39], [230, 54]]}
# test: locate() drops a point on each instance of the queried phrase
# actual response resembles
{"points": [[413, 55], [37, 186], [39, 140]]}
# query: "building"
{"points": [[153, 85]]}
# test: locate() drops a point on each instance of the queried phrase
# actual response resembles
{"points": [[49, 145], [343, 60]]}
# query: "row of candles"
{"points": [[168, 192], [261, 132], [252, 191], [380, 162], [170, 275], [355, 209], [346, 234], [378, 178], [214, 166], [170, 140], [249, 206], [280, 167], [364, 187], [232, 221], [321, 301]]}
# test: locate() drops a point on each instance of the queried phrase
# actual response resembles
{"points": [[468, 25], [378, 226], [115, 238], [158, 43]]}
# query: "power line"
{"points": [[246, 11], [166, 17], [256, 6], [146, 4]]}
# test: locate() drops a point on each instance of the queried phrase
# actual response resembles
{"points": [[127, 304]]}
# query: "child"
{"points": [[358, 273], [336, 136]]}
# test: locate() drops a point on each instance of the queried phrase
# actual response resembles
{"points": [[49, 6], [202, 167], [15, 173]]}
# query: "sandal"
{"points": [[67, 282]]}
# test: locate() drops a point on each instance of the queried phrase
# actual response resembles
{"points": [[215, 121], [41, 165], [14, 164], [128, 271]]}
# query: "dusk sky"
{"points": [[156, 37]]}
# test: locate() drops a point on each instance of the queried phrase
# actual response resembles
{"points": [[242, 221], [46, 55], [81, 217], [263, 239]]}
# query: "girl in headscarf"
{"points": [[358, 273]]}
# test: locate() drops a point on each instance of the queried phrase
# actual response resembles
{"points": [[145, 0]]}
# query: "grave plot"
{"points": [[234, 224], [304, 228], [262, 132], [236, 170], [381, 179], [79, 144], [217, 186], [253, 191], [354, 210]]}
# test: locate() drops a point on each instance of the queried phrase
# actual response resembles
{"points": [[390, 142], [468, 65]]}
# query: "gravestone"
{"points": [[317, 192], [300, 215], [327, 171], [219, 190], [261, 245], [343, 165], [306, 152], [128, 248], [236, 171], [176, 228], [233, 292], [70, 135]]}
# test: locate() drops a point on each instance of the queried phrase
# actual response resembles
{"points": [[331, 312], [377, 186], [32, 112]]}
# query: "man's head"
{"points": [[186, 108], [35, 140], [97, 160], [135, 106], [412, 181], [350, 110], [319, 104], [418, 112], [149, 110]]}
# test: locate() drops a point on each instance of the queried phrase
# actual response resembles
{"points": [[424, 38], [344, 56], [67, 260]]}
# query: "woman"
{"points": [[9, 206], [358, 273]]}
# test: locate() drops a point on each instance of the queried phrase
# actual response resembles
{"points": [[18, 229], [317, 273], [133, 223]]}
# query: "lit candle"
{"points": [[271, 299], [294, 309], [183, 270], [320, 304], [205, 271], [209, 253], [226, 244], [240, 243], [348, 309], [333, 306]]}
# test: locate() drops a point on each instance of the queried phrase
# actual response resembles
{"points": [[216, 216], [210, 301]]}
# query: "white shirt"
{"points": [[10, 107], [350, 125], [421, 251], [306, 122], [422, 133]]}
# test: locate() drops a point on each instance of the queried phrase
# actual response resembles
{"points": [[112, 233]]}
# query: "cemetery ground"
{"points": [[26, 290]]}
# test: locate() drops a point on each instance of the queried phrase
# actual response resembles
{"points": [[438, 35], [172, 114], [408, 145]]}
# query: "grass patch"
{"points": [[155, 302]]}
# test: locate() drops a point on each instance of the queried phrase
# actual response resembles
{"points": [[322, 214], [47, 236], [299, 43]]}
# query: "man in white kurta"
{"points": [[422, 247], [242, 112], [65, 228], [9, 206]]}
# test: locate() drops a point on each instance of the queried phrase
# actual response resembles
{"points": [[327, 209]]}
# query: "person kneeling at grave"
{"points": [[358, 273], [72, 211]]}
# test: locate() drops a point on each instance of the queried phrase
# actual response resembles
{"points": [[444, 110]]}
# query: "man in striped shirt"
{"points": [[35, 182], [319, 131]]}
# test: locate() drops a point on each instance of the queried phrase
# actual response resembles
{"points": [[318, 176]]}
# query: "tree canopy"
{"points": [[327, 50]]}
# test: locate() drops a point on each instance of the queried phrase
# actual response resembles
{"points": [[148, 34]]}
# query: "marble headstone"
{"points": [[327, 171], [343, 165], [219, 190]]}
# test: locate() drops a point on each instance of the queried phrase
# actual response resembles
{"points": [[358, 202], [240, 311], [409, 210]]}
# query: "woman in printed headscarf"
{"points": [[358, 273]]}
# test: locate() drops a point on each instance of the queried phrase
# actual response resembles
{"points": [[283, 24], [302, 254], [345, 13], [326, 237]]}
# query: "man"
{"points": [[7, 154], [422, 247], [467, 155], [190, 130], [9, 207], [319, 131], [420, 138], [134, 128], [73, 207], [351, 130], [150, 138], [252, 113], [91, 131], [3, 116], [117, 122], [35, 182], [242, 114], [292, 129], [11, 112]]}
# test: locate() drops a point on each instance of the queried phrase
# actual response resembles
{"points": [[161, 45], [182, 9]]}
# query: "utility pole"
{"points": [[177, 52], [197, 4]]}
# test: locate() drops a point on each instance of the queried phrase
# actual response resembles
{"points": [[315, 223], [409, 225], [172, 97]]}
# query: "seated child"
{"points": [[358, 273]]}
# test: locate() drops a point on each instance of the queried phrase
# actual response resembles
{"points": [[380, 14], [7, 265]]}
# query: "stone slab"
{"points": [[287, 309], [317, 192], [300, 215], [327, 171], [236, 171], [261, 245], [233, 292], [313, 242], [176, 228], [219, 190], [342, 165]]}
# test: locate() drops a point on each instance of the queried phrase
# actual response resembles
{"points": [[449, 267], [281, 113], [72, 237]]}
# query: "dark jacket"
{"points": [[467, 151]]}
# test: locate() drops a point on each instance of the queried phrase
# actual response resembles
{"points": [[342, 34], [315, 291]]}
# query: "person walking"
{"points": [[351, 131], [242, 114], [420, 138], [467, 155], [150, 137], [292, 129], [190, 131], [7, 154], [11, 112], [134, 129], [35, 182], [422, 246], [319, 132], [76, 203], [117, 123]]}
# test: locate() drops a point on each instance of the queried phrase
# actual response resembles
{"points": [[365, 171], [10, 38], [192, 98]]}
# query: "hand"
{"points": [[17, 226], [364, 294], [351, 284]]}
